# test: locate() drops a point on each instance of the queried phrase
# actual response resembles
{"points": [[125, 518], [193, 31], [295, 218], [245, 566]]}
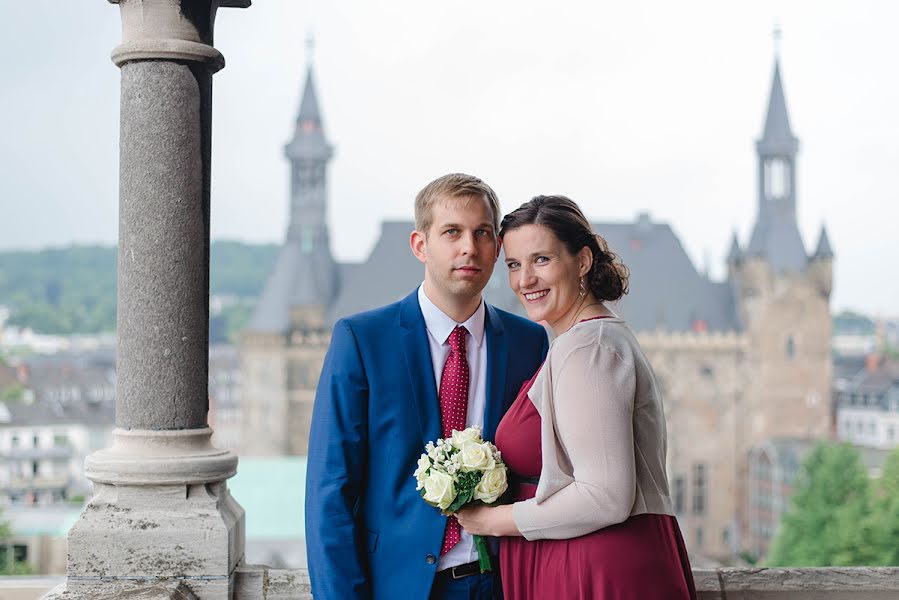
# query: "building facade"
{"points": [[740, 360], [867, 406]]}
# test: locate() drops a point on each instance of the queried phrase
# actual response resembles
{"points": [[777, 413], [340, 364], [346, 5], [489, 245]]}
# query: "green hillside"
{"points": [[73, 290]]}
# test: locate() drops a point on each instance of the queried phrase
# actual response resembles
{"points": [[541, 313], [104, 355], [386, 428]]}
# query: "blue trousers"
{"points": [[474, 587]]}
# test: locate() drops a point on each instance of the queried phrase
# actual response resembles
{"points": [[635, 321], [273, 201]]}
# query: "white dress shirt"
{"points": [[439, 327]]}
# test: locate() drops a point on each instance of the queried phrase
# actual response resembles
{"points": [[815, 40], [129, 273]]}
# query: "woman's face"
{"points": [[544, 276]]}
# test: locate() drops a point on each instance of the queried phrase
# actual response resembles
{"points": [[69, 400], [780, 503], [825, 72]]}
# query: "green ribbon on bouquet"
{"points": [[483, 554]]}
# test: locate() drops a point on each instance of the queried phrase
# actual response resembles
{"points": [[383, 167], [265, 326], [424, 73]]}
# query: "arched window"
{"points": [[791, 347]]}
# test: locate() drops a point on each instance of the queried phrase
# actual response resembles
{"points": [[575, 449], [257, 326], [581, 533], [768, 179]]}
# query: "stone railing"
{"points": [[849, 583], [832, 583]]}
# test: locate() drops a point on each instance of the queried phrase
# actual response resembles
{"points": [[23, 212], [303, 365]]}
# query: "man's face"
{"points": [[460, 248]]}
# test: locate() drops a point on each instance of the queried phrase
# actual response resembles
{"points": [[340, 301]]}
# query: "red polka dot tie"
{"points": [[453, 409]]}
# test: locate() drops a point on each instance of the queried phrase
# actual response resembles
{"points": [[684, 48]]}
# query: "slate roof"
{"points": [[14, 414], [880, 387], [823, 250], [776, 238], [777, 136], [666, 291], [735, 254], [297, 279], [309, 135]]}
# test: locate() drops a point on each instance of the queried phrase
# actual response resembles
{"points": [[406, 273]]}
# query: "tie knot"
{"points": [[457, 339]]}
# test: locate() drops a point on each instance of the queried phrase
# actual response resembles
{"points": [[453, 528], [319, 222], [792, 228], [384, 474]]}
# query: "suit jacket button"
{"points": [[431, 559]]}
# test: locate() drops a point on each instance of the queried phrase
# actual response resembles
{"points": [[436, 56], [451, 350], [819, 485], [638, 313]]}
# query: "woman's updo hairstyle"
{"points": [[607, 278]]}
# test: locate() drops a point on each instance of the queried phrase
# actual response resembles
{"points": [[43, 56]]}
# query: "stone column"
{"points": [[162, 517]]}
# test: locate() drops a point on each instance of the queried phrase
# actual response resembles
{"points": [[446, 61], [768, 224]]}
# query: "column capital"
{"points": [[168, 30]]}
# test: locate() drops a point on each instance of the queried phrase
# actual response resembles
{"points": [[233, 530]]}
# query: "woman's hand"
{"points": [[488, 520]]}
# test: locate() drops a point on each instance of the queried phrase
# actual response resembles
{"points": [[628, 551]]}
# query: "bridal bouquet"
{"points": [[459, 470]]}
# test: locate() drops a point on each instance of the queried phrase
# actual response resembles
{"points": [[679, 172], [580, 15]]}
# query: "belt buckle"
{"points": [[461, 575]]}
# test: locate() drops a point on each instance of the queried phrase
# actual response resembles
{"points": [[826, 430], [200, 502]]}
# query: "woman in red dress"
{"points": [[585, 440]]}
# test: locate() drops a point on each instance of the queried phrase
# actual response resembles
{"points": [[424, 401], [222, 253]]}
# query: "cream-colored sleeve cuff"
{"points": [[522, 513]]}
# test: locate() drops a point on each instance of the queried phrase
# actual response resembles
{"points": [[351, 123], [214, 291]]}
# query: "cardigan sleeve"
{"points": [[592, 408]]}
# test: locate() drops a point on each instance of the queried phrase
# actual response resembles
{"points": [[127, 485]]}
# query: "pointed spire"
{"points": [[823, 250], [777, 136], [309, 115], [777, 121], [309, 140], [734, 255]]}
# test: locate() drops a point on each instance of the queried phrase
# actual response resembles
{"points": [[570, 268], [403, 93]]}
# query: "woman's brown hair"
{"points": [[607, 278]]}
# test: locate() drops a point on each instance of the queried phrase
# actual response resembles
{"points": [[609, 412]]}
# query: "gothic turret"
{"points": [[304, 280], [775, 237]]}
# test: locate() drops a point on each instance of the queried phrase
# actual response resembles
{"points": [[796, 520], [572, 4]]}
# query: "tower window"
{"points": [[680, 486], [699, 489], [777, 179], [791, 348]]}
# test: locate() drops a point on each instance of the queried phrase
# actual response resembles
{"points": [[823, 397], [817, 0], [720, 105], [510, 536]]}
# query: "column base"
{"points": [[161, 515]]}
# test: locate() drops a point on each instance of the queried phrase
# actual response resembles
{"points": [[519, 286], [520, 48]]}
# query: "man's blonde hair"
{"points": [[453, 185]]}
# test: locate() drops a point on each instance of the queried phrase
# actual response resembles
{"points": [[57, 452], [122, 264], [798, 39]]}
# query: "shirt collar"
{"points": [[441, 326]]}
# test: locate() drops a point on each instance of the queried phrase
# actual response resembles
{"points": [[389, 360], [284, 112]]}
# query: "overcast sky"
{"points": [[626, 107]]}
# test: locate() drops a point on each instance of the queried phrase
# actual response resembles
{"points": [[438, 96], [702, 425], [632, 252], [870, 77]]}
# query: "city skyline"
{"points": [[648, 105]]}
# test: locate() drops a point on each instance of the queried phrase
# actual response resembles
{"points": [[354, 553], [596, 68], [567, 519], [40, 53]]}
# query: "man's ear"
{"points": [[499, 248], [418, 241]]}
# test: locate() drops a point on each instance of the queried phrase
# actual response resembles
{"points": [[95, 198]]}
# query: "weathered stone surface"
{"points": [[128, 532], [258, 582], [826, 583], [857, 583], [163, 250], [173, 590]]}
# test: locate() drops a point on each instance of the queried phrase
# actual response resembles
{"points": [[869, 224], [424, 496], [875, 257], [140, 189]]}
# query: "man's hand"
{"points": [[488, 520]]}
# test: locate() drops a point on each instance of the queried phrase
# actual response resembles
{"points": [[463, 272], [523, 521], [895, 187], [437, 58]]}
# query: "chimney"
{"points": [[873, 362]]}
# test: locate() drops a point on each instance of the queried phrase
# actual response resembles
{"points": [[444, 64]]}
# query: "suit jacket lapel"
{"points": [[497, 360], [417, 354]]}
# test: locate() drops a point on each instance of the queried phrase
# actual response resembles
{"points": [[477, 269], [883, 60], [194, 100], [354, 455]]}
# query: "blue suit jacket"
{"points": [[369, 534]]}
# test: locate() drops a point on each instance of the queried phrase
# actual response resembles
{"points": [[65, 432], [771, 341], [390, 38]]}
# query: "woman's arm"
{"points": [[593, 404]]}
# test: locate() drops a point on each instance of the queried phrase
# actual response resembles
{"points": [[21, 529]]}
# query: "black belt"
{"points": [[466, 570], [518, 480]]}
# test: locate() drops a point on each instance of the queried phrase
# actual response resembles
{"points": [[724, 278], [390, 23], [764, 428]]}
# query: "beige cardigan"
{"points": [[603, 435]]}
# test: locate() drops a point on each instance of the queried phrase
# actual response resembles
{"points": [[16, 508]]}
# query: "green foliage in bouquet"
{"points": [[465, 486]]}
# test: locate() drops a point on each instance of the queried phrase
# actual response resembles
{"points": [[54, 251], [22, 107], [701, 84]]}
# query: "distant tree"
{"points": [[824, 525], [73, 290], [882, 524], [8, 563], [12, 393]]}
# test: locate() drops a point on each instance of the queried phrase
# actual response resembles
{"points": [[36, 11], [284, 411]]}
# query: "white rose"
{"points": [[439, 489], [460, 438], [492, 485], [477, 457], [421, 473]]}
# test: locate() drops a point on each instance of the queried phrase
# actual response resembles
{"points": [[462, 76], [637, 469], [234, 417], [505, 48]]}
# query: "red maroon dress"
{"points": [[643, 558]]}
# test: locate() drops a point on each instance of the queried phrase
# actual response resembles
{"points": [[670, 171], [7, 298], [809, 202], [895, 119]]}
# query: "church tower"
{"points": [[783, 300], [285, 341]]}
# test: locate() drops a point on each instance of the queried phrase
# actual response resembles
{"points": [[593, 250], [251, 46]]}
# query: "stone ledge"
{"points": [[173, 590], [254, 582], [257, 582]]}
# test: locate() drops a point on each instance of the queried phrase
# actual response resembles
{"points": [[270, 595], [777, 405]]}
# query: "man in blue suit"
{"points": [[369, 534]]}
